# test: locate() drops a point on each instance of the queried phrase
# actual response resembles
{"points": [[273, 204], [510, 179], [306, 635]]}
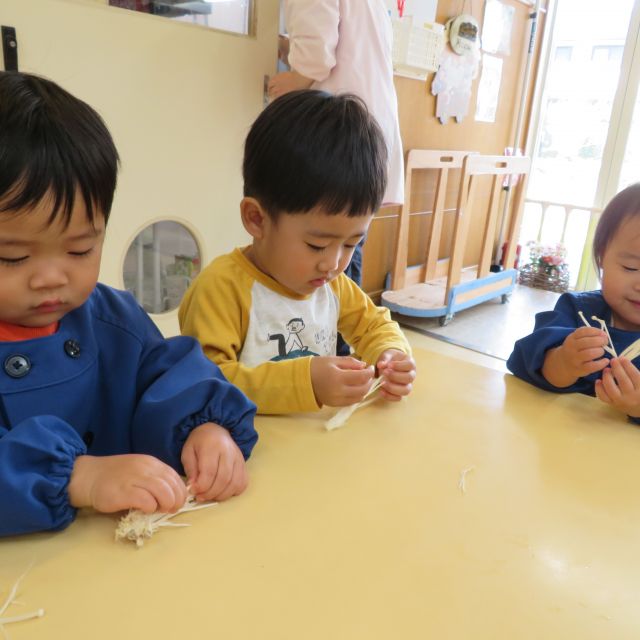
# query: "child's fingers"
{"points": [[405, 367], [237, 483], [592, 366], [179, 490], [631, 370], [389, 395], [400, 377], [591, 343], [357, 391], [591, 339], [346, 394], [382, 366], [223, 476], [164, 492], [241, 478], [140, 498], [189, 459], [347, 363], [353, 394], [392, 355], [593, 353], [359, 378], [405, 364], [609, 385], [207, 469], [384, 360], [589, 332], [396, 389], [159, 498], [621, 376], [601, 394]]}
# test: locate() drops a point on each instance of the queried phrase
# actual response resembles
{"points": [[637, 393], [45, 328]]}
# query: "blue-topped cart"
{"points": [[440, 287]]}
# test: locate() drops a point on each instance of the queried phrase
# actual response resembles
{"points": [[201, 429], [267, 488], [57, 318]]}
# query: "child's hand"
{"points": [[213, 463], [399, 371], [620, 387], [132, 481], [580, 354], [340, 380]]}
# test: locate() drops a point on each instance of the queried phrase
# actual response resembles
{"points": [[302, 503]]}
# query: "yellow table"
{"points": [[366, 532]]}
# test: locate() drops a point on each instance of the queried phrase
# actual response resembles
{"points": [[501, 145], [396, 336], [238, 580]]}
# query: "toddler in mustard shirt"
{"points": [[268, 314]]}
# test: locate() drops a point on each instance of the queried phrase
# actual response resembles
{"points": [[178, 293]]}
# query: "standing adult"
{"points": [[345, 46]]}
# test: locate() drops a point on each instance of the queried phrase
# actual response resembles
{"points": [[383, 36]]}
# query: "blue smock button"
{"points": [[17, 366], [72, 348]]}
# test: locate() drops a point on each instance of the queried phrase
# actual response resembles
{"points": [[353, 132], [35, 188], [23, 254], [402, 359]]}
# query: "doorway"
{"points": [[581, 130]]}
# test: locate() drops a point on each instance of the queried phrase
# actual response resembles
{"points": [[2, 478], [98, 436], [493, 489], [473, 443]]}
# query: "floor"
{"points": [[490, 328]]}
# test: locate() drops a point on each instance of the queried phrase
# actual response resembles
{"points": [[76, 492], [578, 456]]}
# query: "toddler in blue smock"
{"points": [[564, 355], [97, 409]]}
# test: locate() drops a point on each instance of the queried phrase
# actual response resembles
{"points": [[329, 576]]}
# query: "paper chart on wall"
{"points": [[421, 10], [489, 89]]}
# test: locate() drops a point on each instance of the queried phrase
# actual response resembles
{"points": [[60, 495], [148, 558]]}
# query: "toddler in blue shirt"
{"points": [[97, 409], [564, 355]]}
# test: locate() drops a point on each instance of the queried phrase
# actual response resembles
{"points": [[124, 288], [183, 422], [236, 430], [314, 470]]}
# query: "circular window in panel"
{"points": [[160, 264]]}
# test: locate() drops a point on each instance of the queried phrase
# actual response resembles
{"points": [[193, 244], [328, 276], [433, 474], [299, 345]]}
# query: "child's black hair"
{"points": [[622, 206], [52, 143], [311, 149]]}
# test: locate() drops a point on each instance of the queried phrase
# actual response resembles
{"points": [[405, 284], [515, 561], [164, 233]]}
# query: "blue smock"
{"points": [[550, 330], [105, 383]]}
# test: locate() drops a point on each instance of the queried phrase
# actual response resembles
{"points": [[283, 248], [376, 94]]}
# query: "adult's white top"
{"points": [[345, 46]]}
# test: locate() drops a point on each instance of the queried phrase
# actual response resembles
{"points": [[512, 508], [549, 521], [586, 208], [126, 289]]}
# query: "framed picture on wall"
{"points": [[228, 15]]}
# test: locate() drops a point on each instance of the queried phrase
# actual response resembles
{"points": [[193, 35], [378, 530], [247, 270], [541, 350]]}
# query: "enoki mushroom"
{"points": [[139, 526], [631, 352], [462, 482], [610, 349], [11, 599], [342, 415]]}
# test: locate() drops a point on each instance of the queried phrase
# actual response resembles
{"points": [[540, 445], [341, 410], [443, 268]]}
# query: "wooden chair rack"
{"points": [[441, 287]]}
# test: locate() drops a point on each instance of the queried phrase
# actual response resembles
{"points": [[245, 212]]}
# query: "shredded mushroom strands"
{"points": [[11, 599], [139, 526], [631, 352], [610, 349], [342, 415], [463, 479]]}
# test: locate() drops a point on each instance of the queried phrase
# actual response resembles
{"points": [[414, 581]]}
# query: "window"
{"points": [[160, 264], [563, 54], [607, 53]]}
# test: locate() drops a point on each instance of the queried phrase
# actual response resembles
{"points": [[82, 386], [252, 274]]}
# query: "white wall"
{"points": [[178, 99]]}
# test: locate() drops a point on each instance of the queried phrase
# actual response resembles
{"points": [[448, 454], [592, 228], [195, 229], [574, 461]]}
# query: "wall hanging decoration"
{"points": [[458, 68], [464, 34], [452, 85]]}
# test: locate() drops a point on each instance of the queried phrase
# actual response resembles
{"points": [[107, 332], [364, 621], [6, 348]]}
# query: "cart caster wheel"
{"points": [[445, 320], [504, 298]]}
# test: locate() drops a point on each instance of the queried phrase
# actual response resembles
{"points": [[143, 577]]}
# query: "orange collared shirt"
{"points": [[15, 332]]}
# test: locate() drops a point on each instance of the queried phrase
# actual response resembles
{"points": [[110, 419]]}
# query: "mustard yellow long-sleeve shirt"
{"points": [[263, 336]]}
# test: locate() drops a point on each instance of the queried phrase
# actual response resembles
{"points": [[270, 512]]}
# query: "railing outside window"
{"points": [[550, 222]]}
